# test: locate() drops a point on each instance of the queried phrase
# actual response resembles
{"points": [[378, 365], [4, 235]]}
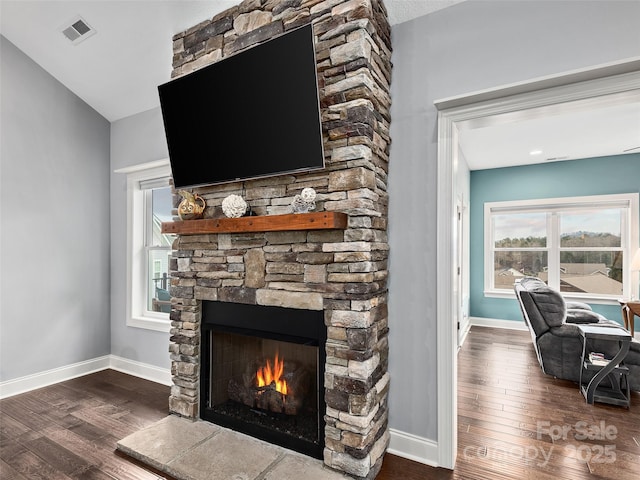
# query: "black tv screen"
{"points": [[253, 114]]}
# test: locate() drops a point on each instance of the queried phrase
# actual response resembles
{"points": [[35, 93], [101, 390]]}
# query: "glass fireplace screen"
{"points": [[262, 373]]}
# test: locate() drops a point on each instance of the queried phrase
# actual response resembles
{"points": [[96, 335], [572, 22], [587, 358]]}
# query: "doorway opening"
{"points": [[581, 89]]}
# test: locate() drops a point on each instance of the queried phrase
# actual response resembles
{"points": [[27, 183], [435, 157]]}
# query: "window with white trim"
{"points": [[149, 203], [581, 246]]}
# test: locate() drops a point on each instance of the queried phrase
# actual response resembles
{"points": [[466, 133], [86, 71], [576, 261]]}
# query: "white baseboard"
{"points": [[27, 383], [462, 334], [497, 323], [413, 447], [507, 324], [141, 370]]}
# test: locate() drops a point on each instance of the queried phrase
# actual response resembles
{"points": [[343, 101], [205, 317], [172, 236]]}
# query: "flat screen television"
{"points": [[253, 114]]}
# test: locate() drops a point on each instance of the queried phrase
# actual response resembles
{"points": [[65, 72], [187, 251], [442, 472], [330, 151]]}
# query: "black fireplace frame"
{"points": [[305, 327]]}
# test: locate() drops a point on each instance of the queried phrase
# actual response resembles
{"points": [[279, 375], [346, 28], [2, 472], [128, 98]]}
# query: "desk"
{"points": [[630, 308], [618, 392]]}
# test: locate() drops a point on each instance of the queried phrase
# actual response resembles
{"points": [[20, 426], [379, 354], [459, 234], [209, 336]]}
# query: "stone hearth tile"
{"points": [[295, 467], [226, 456], [165, 440]]}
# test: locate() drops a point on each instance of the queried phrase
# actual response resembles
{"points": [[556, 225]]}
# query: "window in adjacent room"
{"points": [[149, 203], [580, 246]]}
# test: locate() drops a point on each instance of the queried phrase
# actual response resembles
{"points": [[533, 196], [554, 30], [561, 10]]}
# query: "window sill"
{"points": [[572, 298], [159, 324]]}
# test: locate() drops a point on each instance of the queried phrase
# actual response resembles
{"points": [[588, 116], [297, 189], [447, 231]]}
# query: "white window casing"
{"points": [[140, 179], [553, 208]]}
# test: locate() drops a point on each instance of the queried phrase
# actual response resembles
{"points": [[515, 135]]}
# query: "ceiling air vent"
{"points": [[77, 30]]}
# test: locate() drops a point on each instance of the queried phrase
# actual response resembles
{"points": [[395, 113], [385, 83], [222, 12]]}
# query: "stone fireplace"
{"points": [[335, 269]]}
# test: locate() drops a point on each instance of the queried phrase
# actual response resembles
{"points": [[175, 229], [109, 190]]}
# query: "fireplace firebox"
{"points": [[262, 373]]}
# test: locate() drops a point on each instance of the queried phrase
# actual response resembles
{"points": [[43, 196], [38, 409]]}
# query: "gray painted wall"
{"points": [[134, 140], [54, 222], [461, 49]]}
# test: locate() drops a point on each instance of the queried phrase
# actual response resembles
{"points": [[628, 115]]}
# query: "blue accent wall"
{"points": [[572, 178]]}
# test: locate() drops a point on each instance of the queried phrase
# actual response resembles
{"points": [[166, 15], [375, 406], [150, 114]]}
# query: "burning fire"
{"points": [[267, 375]]}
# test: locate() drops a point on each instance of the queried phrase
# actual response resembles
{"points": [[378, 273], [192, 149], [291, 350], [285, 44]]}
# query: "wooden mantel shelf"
{"points": [[265, 223]]}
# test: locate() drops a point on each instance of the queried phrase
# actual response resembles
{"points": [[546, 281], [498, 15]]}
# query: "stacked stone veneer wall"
{"points": [[342, 272]]}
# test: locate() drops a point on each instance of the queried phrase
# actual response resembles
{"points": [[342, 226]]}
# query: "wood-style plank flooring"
{"points": [[69, 430], [514, 422]]}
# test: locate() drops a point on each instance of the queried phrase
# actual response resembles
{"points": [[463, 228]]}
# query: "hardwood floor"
{"points": [[514, 422], [69, 430]]}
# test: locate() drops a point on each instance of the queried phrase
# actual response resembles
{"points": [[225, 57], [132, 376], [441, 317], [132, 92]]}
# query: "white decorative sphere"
{"points": [[308, 194], [234, 206]]}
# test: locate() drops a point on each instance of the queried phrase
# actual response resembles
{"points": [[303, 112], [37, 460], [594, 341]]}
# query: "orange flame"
{"points": [[267, 375]]}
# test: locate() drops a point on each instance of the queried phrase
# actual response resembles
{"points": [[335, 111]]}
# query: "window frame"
{"points": [[137, 311], [552, 207]]}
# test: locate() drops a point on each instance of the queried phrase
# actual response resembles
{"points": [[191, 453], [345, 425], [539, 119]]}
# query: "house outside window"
{"points": [[149, 203], [581, 246], [158, 204]]}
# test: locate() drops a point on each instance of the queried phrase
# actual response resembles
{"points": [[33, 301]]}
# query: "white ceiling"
{"points": [[118, 69], [608, 125]]}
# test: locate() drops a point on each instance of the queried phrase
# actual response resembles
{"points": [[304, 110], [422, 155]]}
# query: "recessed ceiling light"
{"points": [[535, 152]]}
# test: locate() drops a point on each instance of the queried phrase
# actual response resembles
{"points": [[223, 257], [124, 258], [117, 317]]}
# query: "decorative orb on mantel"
{"points": [[305, 201], [234, 206]]}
